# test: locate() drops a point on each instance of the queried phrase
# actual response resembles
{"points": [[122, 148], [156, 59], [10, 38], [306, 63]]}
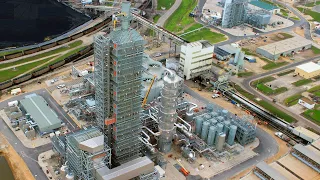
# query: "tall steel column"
{"points": [[168, 110], [118, 73]]}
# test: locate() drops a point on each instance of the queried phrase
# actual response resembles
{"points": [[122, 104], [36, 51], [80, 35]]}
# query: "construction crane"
{"points": [[144, 102]]}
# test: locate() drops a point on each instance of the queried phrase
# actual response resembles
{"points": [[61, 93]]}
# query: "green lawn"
{"points": [[156, 18], [268, 91], [9, 52], [314, 89], [42, 55], [292, 100], [269, 107], [262, 80], [284, 12], [245, 74], [314, 15], [311, 4], [191, 28], [9, 74], [295, 18], [165, 3], [286, 72], [248, 52], [286, 35], [302, 82], [317, 93], [313, 115], [205, 34], [180, 18], [273, 65], [315, 50]]}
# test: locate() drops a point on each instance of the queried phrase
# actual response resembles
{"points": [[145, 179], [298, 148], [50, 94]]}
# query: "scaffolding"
{"points": [[234, 13], [118, 71], [83, 163]]}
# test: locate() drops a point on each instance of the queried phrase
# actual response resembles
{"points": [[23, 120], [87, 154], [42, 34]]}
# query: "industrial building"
{"points": [[306, 102], [45, 119], [195, 58], [258, 18], [308, 70], [225, 52], [234, 13], [260, 5], [285, 47]]}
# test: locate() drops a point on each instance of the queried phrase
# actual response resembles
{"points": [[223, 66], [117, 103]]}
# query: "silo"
{"points": [[207, 116], [210, 107], [70, 176], [232, 134], [214, 114], [224, 113], [211, 135], [220, 118], [189, 116], [213, 122], [220, 142], [219, 130], [226, 127], [199, 121], [205, 129]]}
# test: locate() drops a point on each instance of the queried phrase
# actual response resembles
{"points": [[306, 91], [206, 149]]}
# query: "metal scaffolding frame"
{"points": [[234, 13], [82, 163]]}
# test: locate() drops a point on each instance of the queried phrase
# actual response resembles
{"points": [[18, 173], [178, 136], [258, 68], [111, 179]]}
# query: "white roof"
{"points": [[309, 67], [92, 145]]}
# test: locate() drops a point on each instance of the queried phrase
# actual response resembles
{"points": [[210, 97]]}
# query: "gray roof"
{"points": [[274, 174], [229, 48], [307, 152], [41, 113], [286, 45]]}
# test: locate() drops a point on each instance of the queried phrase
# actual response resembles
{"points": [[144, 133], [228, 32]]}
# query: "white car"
{"points": [[61, 86], [215, 96], [157, 55]]}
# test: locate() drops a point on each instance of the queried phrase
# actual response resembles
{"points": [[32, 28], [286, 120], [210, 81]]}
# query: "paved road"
{"points": [[168, 13], [267, 147], [246, 85], [31, 154]]}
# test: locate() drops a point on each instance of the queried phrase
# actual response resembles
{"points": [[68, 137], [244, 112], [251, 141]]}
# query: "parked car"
{"points": [[215, 96], [157, 55]]}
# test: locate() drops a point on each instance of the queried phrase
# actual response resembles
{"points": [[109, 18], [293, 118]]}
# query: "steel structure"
{"points": [[118, 70], [82, 163], [168, 110], [234, 13]]}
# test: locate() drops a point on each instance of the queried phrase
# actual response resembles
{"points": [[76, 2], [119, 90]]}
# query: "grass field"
{"points": [[268, 91], [245, 74], [9, 74], [284, 12], [292, 100], [302, 82], [269, 107], [205, 34], [42, 55], [248, 52], [262, 80], [315, 50], [314, 15], [313, 115], [273, 65], [10, 52], [317, 93], [156, 18], [314, 89], [286, 72], [180, 18], [311, 4], [165, 3]]}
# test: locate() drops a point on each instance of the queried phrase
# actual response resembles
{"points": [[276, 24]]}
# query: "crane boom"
{"points": [[144, 102]]}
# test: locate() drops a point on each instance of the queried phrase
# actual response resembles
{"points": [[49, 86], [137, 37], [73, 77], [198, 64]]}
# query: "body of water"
{"points": [[5, 170], [25, 22]]}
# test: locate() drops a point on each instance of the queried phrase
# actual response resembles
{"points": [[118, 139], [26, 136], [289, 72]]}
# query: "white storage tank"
{"points": [[70, 176], [63, 170], [221, 141], [57, 133], [205, 129], [211, 135]]}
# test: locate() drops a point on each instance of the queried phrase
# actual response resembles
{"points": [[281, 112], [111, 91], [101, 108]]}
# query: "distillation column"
{"points": [[168, 113]]}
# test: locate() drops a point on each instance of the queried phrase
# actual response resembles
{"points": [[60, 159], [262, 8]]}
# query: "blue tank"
{"points": [[226, 127], [232, 134], [207, 116], [205, 129], [219, 130], [220, 118], [199, 121], [211, 135], [213, 122], [214, 114]]}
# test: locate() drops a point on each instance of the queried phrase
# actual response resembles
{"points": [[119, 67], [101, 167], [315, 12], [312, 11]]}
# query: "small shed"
{"points": [[306, 102]]}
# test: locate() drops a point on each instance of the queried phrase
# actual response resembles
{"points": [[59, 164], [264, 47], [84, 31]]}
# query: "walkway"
{"points": [[166, 15]]}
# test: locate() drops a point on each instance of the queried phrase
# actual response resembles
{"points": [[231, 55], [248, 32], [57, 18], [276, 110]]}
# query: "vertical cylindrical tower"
{"points": [[226, 127], [199, 121], [205, 129], [219, 130], [213, 122], [232, 134], [167, 110], [211, 135], [220, 142]]}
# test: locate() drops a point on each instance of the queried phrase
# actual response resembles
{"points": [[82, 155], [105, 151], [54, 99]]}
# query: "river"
{"points": [[5, 170], [25, 22]]}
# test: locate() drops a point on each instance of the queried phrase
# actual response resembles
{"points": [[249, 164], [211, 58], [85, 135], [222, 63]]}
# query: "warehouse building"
{"points": [[260, 5], [284, 48], [40, 112], [308, 70], [195, 59]]}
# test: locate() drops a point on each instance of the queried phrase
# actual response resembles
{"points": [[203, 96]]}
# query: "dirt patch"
{"points": [[18, 167]]}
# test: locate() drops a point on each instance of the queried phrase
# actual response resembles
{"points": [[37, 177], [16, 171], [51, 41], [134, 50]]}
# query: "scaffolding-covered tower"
{"points": [[85, 152], [118, 70], [234, 13], [168, 110]]}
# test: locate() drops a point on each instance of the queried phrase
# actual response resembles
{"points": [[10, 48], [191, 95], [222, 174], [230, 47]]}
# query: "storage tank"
{"points": [[199, 121], [63, 170], [189, 117], [213, 122], [205, 129], [220, 118], [214, 114], [70, 176], [211, 135], [226, 127], [219, 130], [207, 116], [210, 107], [224, 113], [232, 134], [220, 142]]}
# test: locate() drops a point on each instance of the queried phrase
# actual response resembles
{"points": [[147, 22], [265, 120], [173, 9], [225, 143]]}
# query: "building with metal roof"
{"points": [[308, 70], [40, 112], [307, 156], [285, 47], [265, 6], [264, 171]]}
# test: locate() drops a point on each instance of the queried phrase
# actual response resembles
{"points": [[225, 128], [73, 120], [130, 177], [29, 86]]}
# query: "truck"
{"points": [[282, 136], [16, 91]]}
